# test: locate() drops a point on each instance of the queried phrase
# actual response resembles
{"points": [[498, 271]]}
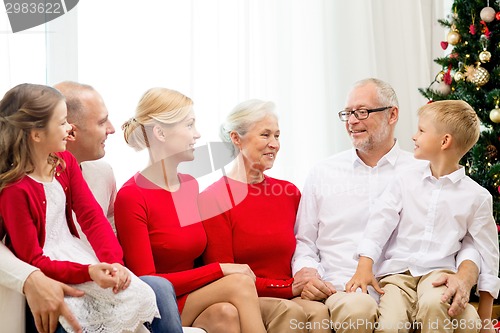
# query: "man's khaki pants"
{"points": [[295, 316]]}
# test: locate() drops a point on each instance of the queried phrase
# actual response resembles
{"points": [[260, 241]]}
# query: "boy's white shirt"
{"points": [[419, 222]]}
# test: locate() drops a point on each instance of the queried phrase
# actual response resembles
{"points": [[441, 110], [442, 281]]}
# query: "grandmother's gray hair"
{"points": [[243, 116]]}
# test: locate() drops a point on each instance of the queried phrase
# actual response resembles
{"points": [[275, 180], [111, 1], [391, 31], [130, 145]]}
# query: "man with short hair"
{"points": [[336, 201]]}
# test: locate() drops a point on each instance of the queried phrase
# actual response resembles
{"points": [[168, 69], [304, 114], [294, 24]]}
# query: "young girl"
{"points": [[40, 186]]}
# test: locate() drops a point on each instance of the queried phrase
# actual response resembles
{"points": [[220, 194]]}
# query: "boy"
{"points": [[419, 224]]}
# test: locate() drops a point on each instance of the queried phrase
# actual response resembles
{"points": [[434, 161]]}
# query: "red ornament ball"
{"points": [[497, 16]]}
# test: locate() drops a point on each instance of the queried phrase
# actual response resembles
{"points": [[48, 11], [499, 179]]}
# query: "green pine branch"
{"points": [[482, 162]]}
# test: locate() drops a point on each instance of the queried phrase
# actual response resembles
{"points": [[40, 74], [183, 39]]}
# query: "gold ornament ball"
{"points": [[459, 76], [453, 37], [480, 76], [439, 76], [485, 56], [495, 115], [487, 14]]}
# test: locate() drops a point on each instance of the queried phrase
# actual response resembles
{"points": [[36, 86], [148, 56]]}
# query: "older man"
{"points": [[335, 206]]}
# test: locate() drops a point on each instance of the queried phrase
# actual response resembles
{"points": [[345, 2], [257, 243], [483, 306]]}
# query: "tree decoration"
{"points": [[447, 76], [477, 75], [458, 76], [453, 37], [485, 30], [495, 113], [487, 14], [439, 76], [485, 55], [491, 152], [443, 88], [474, 58], [472, 27]]}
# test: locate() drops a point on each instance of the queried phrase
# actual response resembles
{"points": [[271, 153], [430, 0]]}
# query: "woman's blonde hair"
{"points": [[156, 106]]}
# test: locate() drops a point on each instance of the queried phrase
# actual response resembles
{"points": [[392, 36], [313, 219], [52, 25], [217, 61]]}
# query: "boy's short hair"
{"points": [[457, 118]]}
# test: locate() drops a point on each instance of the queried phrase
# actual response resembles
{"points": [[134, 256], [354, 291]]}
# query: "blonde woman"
{"points": [[157, 220]]}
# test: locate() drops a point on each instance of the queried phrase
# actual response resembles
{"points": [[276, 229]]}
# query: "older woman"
{"points": [[249, 219], [157, 221]]}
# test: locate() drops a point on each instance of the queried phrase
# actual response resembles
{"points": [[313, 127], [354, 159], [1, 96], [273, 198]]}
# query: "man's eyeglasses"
{"points": [[360, 114]]}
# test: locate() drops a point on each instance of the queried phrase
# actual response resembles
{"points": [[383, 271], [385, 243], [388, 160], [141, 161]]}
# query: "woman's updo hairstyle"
{"points": [[156, 106]]}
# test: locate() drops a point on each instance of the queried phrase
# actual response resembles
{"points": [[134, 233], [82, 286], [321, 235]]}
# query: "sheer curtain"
{"points": [[22, 55], [303, 55]]}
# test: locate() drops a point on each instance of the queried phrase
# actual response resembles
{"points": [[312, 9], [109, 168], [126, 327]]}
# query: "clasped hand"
{"points": [[110, 276], [309, 285]]}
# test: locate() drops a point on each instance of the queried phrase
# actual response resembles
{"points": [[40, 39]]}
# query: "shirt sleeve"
{"points": [[91, 218], [190, 280], [132, 229], [383, 220], [13, 271], [111, 207], [218, 229], [468, 252], [306, 230], [484, 234]]}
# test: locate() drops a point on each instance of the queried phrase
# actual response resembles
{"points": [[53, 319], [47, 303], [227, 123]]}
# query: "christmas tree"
{"points": [[471, 72]]}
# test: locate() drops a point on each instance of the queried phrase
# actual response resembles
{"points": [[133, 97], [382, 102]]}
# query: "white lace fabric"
{"points": [[99, 310]]}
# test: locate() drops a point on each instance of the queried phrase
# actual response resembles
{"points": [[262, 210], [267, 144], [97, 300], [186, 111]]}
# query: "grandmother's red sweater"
{"points": [[253, 224]]}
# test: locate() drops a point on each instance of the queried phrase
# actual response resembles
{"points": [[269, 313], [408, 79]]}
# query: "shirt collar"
{"points": [[391, 157], [453, 177]]}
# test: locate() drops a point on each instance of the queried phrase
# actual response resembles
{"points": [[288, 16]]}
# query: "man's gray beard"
{"points": [[372, 141]]}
